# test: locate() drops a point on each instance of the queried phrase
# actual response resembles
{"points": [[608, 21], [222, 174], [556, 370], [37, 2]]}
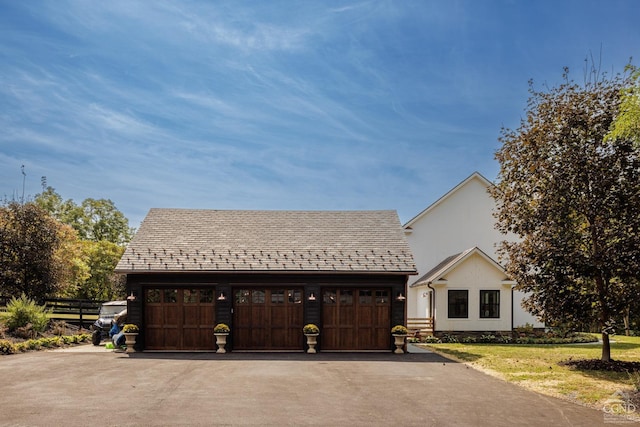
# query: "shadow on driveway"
{"points": [[94, 386], [298, 356]]}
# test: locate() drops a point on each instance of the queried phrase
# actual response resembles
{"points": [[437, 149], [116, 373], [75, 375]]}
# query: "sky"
{"points": [[301, 105]]}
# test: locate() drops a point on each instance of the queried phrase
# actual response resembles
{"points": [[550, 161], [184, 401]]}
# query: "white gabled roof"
{"points": [[475, 175], [452, 262]]}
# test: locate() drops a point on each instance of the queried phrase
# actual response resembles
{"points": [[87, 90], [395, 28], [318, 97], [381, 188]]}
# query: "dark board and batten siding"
{"points": [[228, 284]]}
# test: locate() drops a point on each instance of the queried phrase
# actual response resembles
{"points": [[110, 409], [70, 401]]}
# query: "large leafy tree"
{"points": [[93, 219], [30, 245], [102, 283], [627, 123], [102, 231], [572, 196]]}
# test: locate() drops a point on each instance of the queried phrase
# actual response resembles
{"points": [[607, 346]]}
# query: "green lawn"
{"points": [[536, 366]]}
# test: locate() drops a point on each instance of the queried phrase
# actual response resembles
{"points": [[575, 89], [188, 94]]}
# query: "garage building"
{"points": [[266, 274]]}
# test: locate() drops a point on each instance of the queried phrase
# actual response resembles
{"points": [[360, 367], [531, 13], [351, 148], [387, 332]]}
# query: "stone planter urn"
{"points": [[311, 331], [221, 341], [312, 340], [130, 341], [221, 330], [130, 332], [399, 333], [398, 340]]}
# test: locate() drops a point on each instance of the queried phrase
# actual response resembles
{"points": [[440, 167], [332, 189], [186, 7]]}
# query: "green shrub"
{"points": [[21, 347], [446, 338], [24, 311], [7, 347], [487, 338]]}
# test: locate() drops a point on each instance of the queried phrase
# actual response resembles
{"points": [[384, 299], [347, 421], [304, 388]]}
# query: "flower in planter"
{"points": [[221, 328], [310, 328], [130, 328], [399, 330]]}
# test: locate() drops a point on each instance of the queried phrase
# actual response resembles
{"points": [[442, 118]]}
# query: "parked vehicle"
{"points": [[109, 313]]}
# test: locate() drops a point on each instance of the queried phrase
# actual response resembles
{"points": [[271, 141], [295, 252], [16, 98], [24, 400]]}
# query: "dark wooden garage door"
{"points": [[179, 319], [267, 319], [356, 319]]}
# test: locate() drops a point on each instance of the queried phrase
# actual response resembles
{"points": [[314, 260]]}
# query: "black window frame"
{"points": [[492, 307], [456, 308]]}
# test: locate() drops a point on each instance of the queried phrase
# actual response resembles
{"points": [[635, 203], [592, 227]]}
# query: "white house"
{"points": [[461, 286]]}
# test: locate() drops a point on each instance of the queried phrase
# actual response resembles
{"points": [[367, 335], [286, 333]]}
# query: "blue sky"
{"points": [[280, 105]]}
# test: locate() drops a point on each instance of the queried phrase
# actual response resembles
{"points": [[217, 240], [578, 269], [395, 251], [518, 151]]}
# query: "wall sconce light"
{"points": [[400, 297], [131, 297], [222, 297], [312, 297]]}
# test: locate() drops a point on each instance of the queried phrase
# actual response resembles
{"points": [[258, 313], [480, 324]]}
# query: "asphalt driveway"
{"points": [[93, 386]]}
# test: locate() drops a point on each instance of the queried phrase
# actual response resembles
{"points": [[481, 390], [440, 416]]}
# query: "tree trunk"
{"points": [[604, 318], [625, 319], [606, 347]]}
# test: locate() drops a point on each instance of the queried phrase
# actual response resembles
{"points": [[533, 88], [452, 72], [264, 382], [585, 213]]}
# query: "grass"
{"points": [[536, 367]]}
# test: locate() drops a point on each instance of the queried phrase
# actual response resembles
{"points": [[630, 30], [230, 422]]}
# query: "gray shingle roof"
{"points": [[183, 240]]}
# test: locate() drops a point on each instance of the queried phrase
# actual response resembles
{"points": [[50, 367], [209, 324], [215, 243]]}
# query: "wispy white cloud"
{"points": [[258, 105]]}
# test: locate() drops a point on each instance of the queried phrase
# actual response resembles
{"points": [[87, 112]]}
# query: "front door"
{"points": [[179, 319], [267, 319], [356, 319]]}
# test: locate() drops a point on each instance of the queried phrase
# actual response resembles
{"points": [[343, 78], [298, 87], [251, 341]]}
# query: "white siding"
{"points": [[461, 220], [474, 274]]}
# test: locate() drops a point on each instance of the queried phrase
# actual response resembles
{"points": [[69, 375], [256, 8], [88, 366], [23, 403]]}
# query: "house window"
{"points": [[458, 304], [489, 304]]}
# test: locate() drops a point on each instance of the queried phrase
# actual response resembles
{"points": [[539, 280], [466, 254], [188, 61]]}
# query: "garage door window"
{"points": [[346, 297], [294, 296], [170, 295], [257, 297], [329, 297], [190, 296], [153, 295], [206, 296], [277, 297], [382, 297], [242, 297], [365, 297]]}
